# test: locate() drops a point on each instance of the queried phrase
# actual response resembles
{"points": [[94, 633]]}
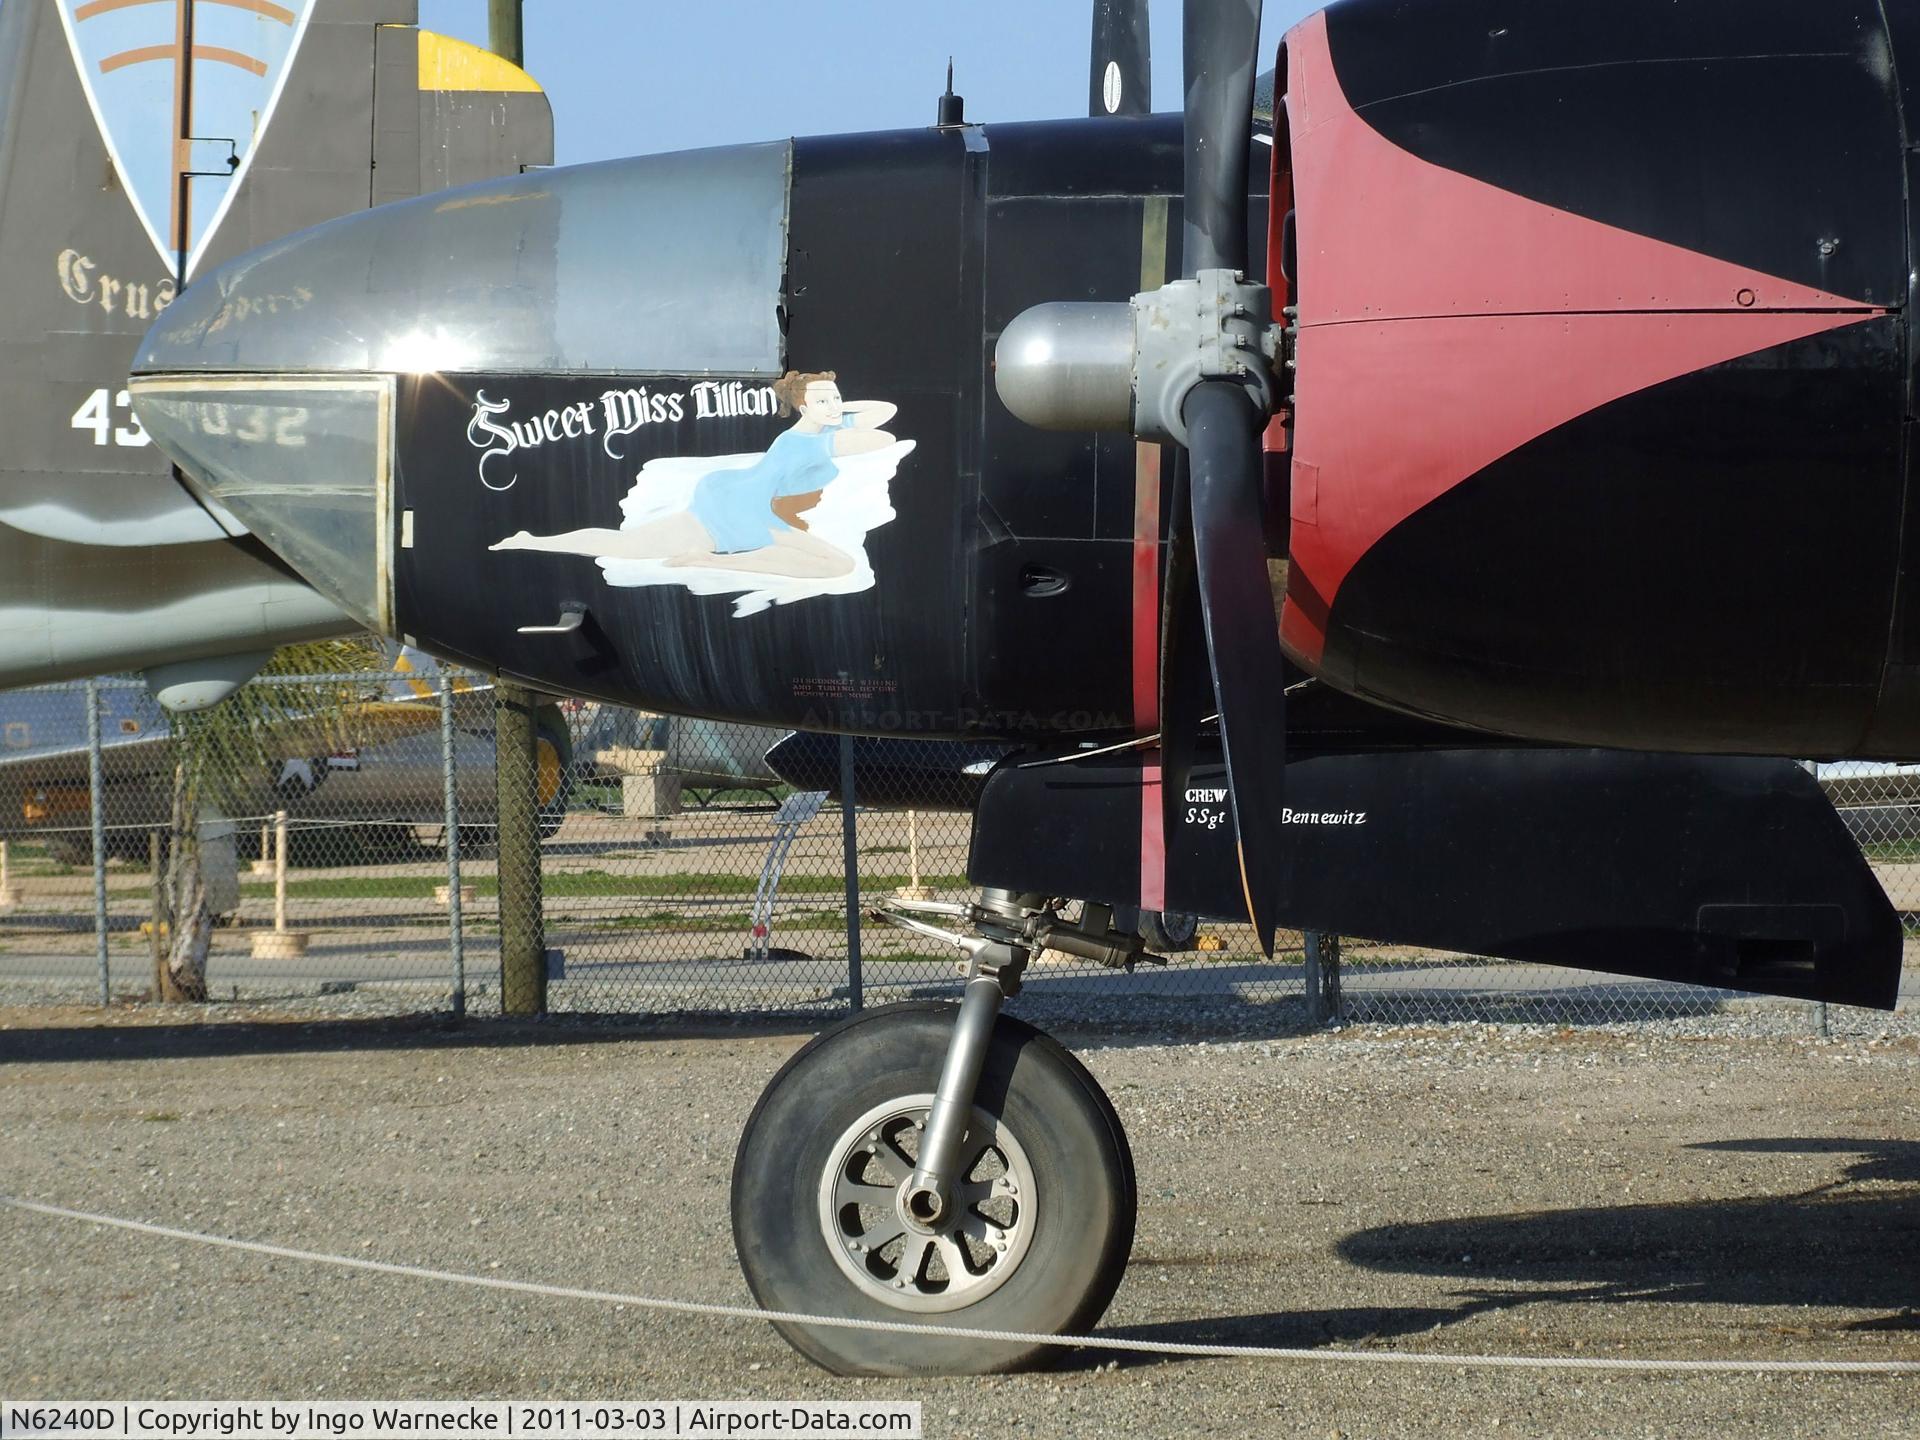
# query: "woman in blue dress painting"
{"points": [[753, 518]]}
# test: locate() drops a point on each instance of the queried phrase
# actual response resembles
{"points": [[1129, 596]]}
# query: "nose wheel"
{"points": [[1028, 1232], [897, 1246]]}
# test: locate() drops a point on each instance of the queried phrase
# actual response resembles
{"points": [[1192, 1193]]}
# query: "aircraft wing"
{"points": [[67, 765]]}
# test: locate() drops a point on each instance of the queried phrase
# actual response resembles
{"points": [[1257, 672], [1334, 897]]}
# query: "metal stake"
{"points": [[850, 853], [96, 805], [450, 799]]}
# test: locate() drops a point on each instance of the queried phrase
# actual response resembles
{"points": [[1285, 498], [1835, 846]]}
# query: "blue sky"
{"points": [[631, 76]]}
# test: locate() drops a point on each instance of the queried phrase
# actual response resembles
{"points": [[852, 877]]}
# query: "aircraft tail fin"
{"points": [[322, 108], [415, 675]]}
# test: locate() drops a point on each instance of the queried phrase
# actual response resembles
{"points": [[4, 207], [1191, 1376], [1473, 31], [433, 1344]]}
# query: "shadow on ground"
{"points": [[1849, 1245], [102, 1039]]}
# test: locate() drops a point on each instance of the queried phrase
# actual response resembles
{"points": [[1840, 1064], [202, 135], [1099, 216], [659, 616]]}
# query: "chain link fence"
{"points": [[354, 868]]}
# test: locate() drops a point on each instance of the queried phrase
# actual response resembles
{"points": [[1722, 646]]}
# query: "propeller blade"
{"points": [[1120, 75], [1186, 693], [1242, 634], [1216, 555], [1222, 42]]}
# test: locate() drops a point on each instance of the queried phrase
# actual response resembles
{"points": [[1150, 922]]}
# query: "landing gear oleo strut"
{"points": [[931, 1165]]}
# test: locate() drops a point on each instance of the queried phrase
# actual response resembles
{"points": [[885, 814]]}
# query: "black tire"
{"points": [[1083, 1190], [1168, 932]]}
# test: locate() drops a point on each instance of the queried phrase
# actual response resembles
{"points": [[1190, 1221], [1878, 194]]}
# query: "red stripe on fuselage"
{"points": [[1396, 414], [1445, 323], [1146, 667]]}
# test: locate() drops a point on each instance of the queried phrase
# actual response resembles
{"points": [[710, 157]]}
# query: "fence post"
{"points": [[97, 813], [1310, 981], [450, 800], [523, 946], [850, 849], [1322, 978], [158, 927], [280, 872], [1330, 979]]}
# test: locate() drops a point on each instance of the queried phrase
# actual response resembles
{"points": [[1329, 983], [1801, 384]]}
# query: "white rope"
{"points": [[1090, 1342]]}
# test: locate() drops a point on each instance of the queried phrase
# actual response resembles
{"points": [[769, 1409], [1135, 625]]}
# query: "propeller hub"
{"points": [[1216, 326], [1078, 365], [1068, 365]]}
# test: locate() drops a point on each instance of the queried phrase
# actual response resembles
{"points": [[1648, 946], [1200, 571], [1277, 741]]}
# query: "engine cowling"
{"points": [[1603, 369]]}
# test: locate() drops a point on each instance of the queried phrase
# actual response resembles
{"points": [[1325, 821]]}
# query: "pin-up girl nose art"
{"points": [[782, 525]]}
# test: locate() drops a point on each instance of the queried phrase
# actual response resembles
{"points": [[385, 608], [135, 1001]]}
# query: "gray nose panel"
{"points": [[666, 263], [302, 463]]}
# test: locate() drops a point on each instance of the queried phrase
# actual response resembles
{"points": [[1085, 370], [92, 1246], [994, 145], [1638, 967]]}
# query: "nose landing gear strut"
{"points": [[931, 1165]]}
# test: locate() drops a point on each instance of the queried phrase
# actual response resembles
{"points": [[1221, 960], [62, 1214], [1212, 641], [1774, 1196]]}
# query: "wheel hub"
{"points": [[922, 1209], [896, 1246]]}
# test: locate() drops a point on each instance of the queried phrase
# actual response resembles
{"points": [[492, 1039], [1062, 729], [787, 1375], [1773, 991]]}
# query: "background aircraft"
{"points": [[371, 763], [120, 183], [1583, 423]]}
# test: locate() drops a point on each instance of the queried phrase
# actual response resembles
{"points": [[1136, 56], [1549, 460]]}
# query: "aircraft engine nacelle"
{"points": [[704, 433], [1603, 372]]}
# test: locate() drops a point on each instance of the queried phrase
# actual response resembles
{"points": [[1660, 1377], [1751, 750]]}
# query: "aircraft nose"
{"points": [[302, 464], [282, 383]]}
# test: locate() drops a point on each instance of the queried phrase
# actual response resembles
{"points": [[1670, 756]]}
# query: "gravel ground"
{"points": [[1126, 1005], [1698, 1188]]}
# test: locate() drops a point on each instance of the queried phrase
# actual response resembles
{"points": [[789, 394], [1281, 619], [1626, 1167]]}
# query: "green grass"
{"points": [[702, 797], [1892, 850], [675, 921]]}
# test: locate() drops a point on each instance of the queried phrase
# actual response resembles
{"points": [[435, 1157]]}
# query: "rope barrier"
{"points": [[1087, 1342]]}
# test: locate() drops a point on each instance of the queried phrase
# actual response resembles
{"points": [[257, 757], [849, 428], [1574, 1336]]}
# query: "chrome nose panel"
{"points": [[271, 381], [304, 463], [664, 263]]}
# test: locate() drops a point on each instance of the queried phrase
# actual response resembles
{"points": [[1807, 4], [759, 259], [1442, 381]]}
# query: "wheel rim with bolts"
{"points": [[1179, 927], [894, 1258]]}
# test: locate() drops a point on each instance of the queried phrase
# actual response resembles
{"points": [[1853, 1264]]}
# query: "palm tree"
{"points": [[218, 755]]}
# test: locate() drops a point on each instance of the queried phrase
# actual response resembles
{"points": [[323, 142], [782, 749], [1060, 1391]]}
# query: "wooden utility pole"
{"points": [[523, 943]]}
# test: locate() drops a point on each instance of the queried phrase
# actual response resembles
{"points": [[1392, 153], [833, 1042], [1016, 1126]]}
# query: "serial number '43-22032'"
{"points": [[96, 416]]}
